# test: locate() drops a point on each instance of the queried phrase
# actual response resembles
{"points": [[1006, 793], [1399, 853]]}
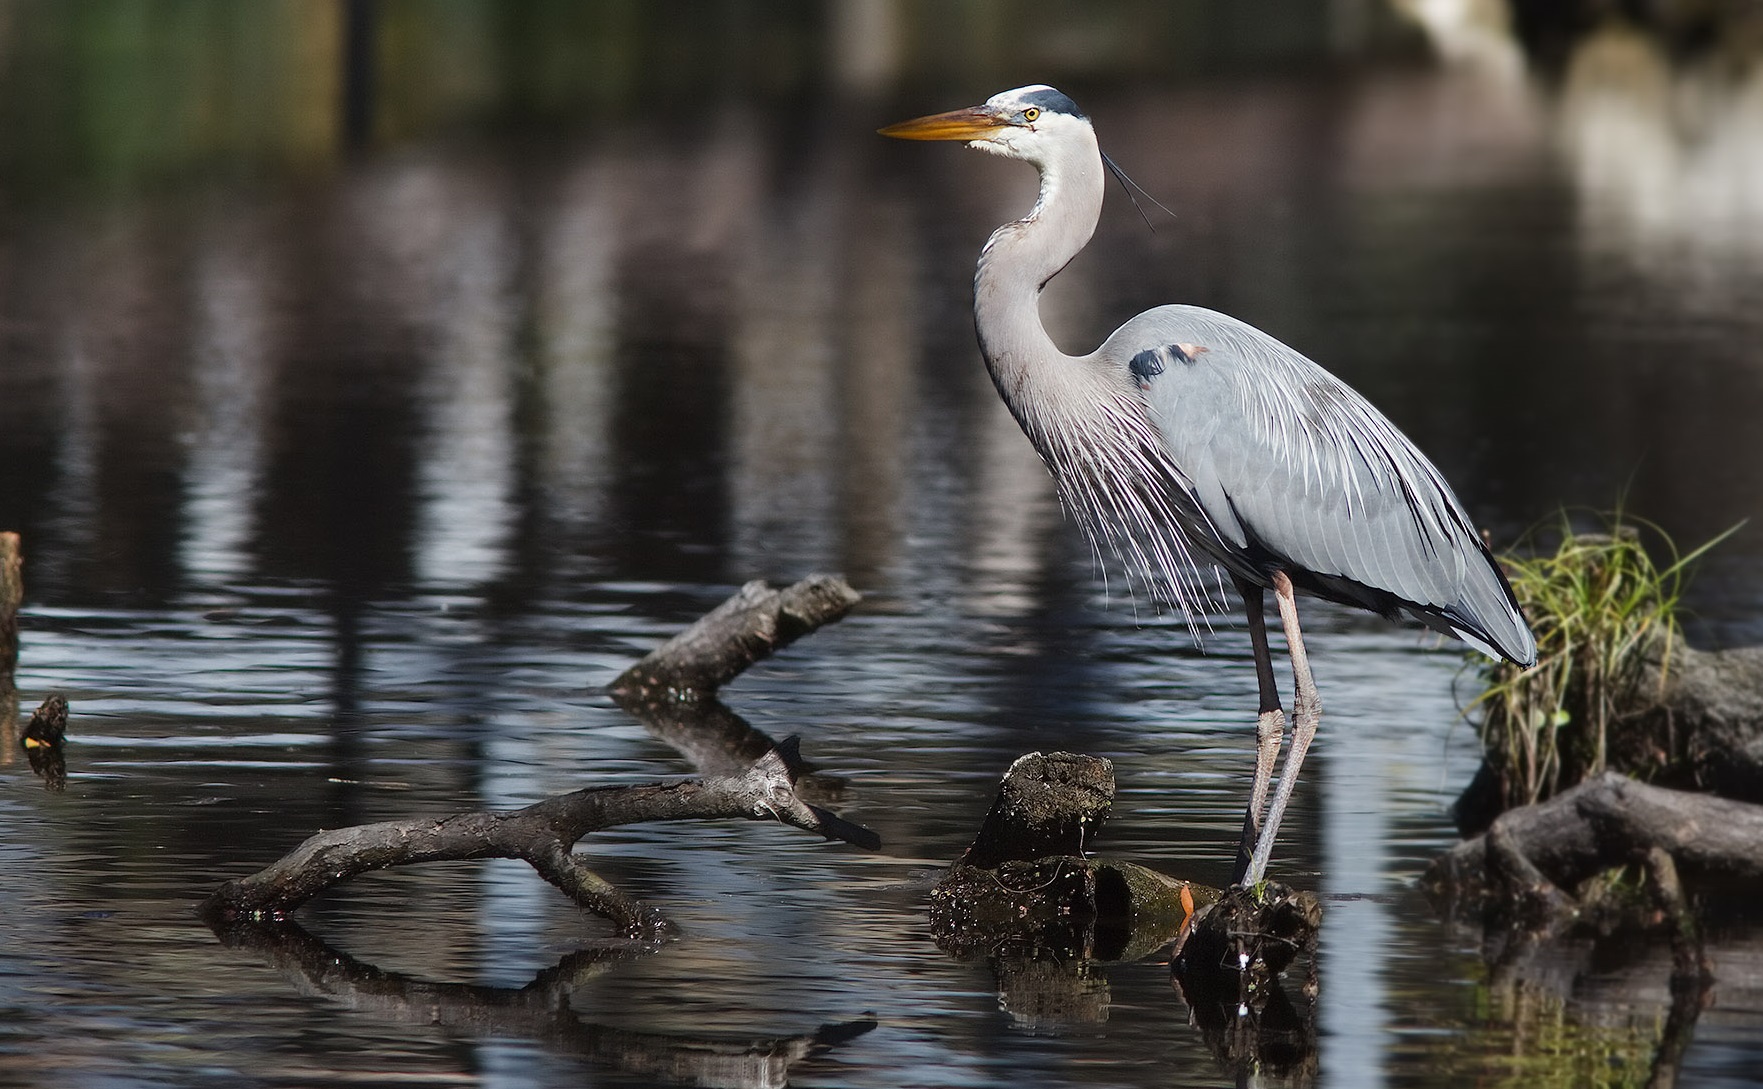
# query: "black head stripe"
{"points": [[1146, 365], [1052, 102]]}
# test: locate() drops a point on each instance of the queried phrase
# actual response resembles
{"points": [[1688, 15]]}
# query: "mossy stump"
{"points": [[1025, 885]]}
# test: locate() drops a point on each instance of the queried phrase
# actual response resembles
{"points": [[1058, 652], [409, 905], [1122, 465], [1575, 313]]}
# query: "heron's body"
{"points": [[1189, 437]]}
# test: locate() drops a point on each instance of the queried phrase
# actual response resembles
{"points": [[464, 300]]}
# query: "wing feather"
{"points": [[1291, 468]]}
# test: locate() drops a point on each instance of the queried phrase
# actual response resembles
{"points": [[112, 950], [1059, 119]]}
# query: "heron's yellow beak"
{"points": [[972, 123]]}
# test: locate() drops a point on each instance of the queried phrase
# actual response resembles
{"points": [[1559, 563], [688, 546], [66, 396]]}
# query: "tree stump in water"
{"points": [[1227, 967], [1026, 896], [1252, 932], [1026, 885]]}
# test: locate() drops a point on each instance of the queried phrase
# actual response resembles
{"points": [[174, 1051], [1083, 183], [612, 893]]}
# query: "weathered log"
{"points": [[1533, 856], [719, 743], [11, 598], [673, 689], [541, 835], [749, 627], [539, 1011]]}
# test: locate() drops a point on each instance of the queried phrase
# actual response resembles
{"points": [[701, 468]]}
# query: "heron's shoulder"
{"points": [[1177, 323], [1216, 345]]}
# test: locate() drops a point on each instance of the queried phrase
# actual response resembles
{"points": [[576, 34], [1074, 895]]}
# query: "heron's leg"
{"points": [[1306, 712], [1270, 725]]}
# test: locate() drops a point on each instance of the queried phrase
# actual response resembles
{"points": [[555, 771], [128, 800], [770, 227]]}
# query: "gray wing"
{"points": [[1293, 469]]}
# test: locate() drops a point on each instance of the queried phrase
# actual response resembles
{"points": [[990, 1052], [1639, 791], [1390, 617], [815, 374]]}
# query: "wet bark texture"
{"points": [[42, 740], [541, 835], [1228, 966], [1046, 805], [1714, 702], [1254, 932], [754, 624], [678, 678], [1536, 859], [1026, 886]]}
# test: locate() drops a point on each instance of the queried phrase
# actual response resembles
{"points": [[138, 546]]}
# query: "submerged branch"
{"points": [[746, 628], [540, 835]]}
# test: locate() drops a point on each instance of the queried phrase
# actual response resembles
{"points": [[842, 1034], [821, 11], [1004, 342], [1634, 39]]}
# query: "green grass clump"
{"points": [[1605, 620]]}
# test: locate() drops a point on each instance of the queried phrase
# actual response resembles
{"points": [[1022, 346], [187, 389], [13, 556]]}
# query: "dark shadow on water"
{"points": [[539, 1011], [1264, 1034], [1567, 1007]]}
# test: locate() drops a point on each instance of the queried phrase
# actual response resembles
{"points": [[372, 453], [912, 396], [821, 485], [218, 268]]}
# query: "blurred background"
{"points": [[501, 293], [379, 377]]}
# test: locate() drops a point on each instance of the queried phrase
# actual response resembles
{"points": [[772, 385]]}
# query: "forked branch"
{"points": [[744, 629]]}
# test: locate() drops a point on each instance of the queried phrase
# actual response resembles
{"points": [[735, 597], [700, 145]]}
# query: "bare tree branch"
{"points": [[541, 835], [681, 675], [749, 627]]}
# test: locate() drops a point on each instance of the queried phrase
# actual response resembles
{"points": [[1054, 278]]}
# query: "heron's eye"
{"points": [[1032, 114]]}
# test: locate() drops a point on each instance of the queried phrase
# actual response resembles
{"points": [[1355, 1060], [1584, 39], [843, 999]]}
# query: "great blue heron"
{"points": [[1189, 435]]}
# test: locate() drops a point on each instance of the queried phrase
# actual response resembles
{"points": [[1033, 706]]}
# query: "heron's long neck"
{"points": [[1019, 260]]}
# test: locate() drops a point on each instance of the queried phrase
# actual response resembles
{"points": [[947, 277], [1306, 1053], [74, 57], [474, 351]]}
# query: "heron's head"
{"points": [[1026, 123]]}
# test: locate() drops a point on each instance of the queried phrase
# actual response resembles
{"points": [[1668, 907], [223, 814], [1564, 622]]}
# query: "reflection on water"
{"points": [[343, 494]]}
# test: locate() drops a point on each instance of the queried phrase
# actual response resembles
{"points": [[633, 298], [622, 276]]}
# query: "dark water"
{"points": [[344, 491]]}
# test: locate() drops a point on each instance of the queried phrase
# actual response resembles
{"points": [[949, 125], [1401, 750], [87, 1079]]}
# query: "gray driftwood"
{"points": [[684, 672], [541, 835], [1712, 712], [749, 627]]}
